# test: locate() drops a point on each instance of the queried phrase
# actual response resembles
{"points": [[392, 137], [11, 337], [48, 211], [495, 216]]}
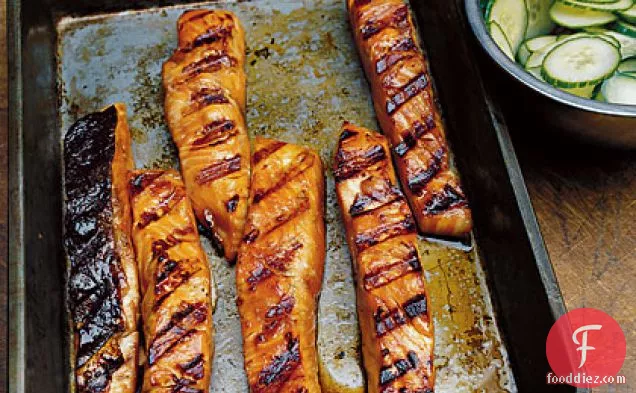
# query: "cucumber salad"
{"points": [[584, 47]]}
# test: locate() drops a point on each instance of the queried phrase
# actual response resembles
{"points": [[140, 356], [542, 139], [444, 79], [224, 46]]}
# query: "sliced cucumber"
{"points": [[585, 92], [574, 18], [629, 14], [620, 89], [523, 54], [625, 28], [539, 43], [500, 39], [619, 5], [539, 22], [628, 44], [580, 62], [536, 72], [627, 66], [512, 18], [532, 45]]}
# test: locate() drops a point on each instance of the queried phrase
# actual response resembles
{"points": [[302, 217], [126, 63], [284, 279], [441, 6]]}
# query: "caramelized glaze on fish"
{"points": [[102, 285], [279, 269], [407, 111], [395, 322], [204, 83], [177, 292]]}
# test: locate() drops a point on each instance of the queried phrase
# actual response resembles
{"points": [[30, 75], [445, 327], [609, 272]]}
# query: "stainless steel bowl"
{"points": [[589, 120]]}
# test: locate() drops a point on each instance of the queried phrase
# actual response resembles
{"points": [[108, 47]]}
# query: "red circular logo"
{"points": [[585, 348]]}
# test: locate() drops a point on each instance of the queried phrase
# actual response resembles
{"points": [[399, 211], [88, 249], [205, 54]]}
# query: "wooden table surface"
{"points": [[585, 201]]}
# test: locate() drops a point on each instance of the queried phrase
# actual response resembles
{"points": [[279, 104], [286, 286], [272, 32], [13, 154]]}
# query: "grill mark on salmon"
{"points": [[205, 97], [259, 274], [274, 375], [418, 181], [98, 377], [181, 326], [416, 306], [193, 368], [445, 200], [284, 307], [171, 274], [210, 36], [364, 203], [304, 162], [215, 133], [351, 164], [400, 50], [139, 182], [410, 138], [386, 321], [388, 273], [266, 151], [162, 208], [384, 232], [373, 26], [219, 169], [410, 90], [210, 63]]}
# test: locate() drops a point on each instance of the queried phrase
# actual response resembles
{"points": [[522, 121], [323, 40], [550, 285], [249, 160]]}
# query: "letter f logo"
{"points": [[583, 344]]}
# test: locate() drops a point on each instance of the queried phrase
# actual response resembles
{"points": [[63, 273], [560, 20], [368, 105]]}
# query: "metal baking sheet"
{"points": [[304, 79]]}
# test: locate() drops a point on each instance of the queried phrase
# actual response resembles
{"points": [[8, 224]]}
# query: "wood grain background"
{"points": [[584, 197]]}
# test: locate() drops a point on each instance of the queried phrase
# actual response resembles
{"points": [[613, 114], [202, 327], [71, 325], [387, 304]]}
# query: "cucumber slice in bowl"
{"points": [[528, 47], [539, 43], [629, 14], [619, 5], [539, 22], [500, 39], [620, 89], [574, 18], [512, 17], [580, 62], [625, 28], [627, 66]]}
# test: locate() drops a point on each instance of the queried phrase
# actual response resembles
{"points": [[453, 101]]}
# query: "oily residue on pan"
{"points": [[304, 80]]}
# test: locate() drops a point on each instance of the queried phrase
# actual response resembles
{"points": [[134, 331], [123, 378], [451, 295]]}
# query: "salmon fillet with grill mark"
{"points": [[280, 267], [204, 83], [177, 290], [102, 289], [405, 104], [392, 301]]}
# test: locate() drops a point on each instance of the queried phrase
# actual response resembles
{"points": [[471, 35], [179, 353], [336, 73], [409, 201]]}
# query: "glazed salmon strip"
{"points": [[405, 105], [280, 267], [393, 312], [177, 290], [102, 287], [204, 83]]}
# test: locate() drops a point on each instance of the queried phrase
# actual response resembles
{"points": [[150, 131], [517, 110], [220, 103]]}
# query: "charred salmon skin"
{"points": [[102, 288], [404, 101], [176, 286], [204, 83], [280, 267], [392, 301]]}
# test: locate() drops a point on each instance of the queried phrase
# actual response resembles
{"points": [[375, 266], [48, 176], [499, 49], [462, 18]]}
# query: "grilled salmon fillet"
{"points": [[397, 331], [102, 289], [279, 268], [407, 111], [204, 83], [176, 286]]}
